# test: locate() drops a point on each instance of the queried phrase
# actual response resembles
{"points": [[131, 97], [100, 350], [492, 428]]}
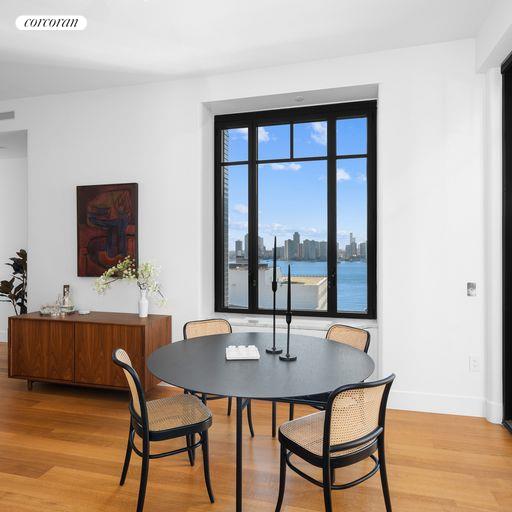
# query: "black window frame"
{"points": [[331, 113]]}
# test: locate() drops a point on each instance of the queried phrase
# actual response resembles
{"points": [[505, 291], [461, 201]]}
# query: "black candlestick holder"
{"points": [[273, 349], [288, 356]]}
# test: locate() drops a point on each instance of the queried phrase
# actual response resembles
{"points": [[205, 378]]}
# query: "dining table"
{"points": [[199, 365]]}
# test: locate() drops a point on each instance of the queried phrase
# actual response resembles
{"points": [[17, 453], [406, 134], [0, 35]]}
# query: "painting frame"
{"points": [[107, 226]]}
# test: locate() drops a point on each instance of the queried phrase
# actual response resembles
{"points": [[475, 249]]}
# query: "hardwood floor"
{"points": [[62, 449]]}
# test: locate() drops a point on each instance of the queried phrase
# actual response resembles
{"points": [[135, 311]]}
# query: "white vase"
{"points": [[143, 304]]}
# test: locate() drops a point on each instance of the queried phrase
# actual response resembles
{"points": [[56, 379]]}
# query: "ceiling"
{"points": [[137, 41], [13, 144]]}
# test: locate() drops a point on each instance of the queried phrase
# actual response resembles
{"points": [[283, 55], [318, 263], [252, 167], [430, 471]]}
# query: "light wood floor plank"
{"points": [[62, 448]]}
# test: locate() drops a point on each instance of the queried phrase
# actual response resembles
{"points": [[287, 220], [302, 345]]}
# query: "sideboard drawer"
{"points": [[42, 349]]}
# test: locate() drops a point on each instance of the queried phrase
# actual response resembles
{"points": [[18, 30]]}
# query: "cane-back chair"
{"points": [[351, 429], [210, 327], [352, 336], [160, 420]]}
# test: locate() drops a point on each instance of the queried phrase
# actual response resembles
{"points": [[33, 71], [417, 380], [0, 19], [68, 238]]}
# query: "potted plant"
{"points": [[15, 290]]}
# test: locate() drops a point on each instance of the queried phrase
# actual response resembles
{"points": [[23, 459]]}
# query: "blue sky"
{"points": [[293, 195]]}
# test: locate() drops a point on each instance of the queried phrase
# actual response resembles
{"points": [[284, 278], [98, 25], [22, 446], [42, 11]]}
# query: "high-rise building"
{"points": [[246, 246], [288, 249], [309, 250], [225, 220], [322, 246], [353, 246], [296, 246], [261, 247], [362, 250], [239, 249]]}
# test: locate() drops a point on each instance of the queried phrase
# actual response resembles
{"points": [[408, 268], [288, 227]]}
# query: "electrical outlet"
{"points": [[474, 364], [471, 289]]}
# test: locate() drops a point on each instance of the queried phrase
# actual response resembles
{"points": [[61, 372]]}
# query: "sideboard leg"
{"points": [[29, 385]]}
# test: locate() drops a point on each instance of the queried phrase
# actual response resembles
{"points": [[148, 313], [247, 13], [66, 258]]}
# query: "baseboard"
{"points": [[494, 412], [437, 403]]}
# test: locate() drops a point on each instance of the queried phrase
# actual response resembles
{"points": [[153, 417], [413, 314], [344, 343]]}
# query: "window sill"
{"points": [[299, 323]]}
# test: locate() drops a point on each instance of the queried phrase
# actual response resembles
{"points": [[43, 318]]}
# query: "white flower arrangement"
{"points": [[145, 276]]}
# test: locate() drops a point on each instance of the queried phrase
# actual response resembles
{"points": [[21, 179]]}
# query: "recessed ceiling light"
{"points": [[299, 99]]}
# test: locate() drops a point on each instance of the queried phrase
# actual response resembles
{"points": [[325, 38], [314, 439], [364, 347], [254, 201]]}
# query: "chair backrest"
{"points": [[198, 328], [353, 336], [356, 412], [138, 401]]}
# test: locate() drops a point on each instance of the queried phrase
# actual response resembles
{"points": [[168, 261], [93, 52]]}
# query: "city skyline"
{"points": [[295, 249]]}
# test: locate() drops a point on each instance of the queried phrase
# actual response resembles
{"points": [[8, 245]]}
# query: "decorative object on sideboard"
{"points": [[273, 349], [288, 356], [145, 275], [15, 289], [67, 305], [61, 307], [107, 226]]}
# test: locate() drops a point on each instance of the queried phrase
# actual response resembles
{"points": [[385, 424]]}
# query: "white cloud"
{"points": [[263, 135], [238, 226], [244, 132], [342, 175], [361, 178], [241, 208], [319, 133], [285, 167]]}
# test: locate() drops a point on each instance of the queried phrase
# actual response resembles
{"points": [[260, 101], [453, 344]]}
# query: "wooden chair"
{"points": [[352, 336], [160, 420], [351, 429], [210, 327]]}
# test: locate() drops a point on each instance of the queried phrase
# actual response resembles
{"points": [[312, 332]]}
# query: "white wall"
{"points": [[13, 223], [494, 39], [430, 199], [493, 187]]}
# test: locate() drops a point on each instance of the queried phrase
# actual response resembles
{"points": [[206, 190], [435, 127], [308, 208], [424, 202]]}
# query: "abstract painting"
{"points": [[107, 228]]}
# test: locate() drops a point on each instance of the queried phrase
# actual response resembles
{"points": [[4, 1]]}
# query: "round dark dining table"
{"points": [[200, 365]]}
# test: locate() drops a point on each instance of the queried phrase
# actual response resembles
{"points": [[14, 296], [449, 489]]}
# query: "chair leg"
{"points": [[191, 439], [143, 475], [384, 474], [249, 418], [274, 412], [206, 465], [327, 488], [230, 402], [282, 478], [127, 457], [292, 410]]}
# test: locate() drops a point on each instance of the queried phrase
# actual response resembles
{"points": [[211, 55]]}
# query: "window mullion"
{"points": [[332, 255], [253, 219], [372, 215]]}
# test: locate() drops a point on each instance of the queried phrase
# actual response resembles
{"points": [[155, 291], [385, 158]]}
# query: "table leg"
{"points": [[239, 423], [274, 418]]}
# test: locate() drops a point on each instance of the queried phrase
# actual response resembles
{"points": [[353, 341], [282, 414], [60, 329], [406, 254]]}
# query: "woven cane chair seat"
{"points": [[308, 433], [175, 412]]}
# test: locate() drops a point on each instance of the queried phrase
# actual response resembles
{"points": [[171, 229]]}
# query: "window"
{"points": [[306, 176]]}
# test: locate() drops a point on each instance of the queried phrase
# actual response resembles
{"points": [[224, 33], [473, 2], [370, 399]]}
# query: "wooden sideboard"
{"points": [[77, 349]]}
